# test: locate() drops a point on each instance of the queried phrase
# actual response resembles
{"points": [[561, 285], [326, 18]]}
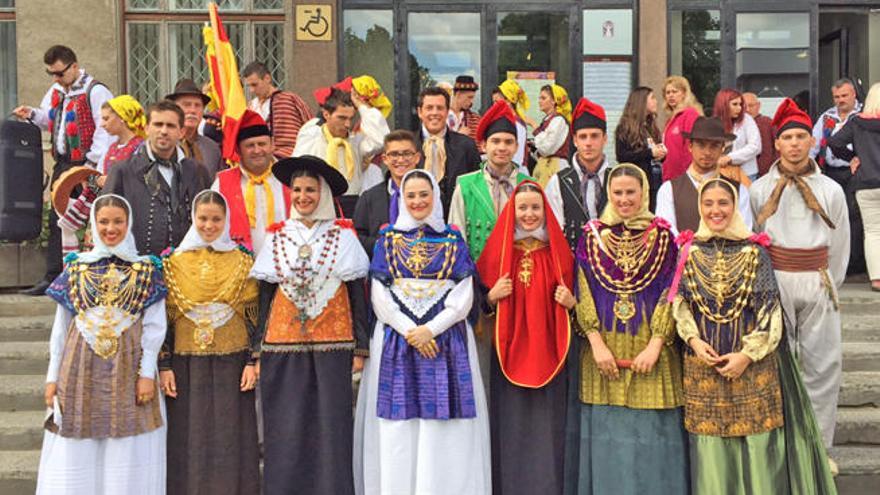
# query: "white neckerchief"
{"points": [[125, 250], [193, 240], [405, 221]]}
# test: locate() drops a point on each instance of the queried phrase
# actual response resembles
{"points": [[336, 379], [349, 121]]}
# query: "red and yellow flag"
{"points": [[225, 83]]}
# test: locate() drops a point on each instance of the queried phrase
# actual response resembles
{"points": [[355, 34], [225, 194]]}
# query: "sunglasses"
{"points": [[58, 73]]}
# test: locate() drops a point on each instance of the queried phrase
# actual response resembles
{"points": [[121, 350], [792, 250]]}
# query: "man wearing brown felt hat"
{"points": [[677, 198], [203, 150]]}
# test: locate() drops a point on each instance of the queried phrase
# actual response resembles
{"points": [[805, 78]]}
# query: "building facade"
{"points": [[597, 48]]}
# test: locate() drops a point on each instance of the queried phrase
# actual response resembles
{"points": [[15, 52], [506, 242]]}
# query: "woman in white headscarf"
{"points": [[207, 366], [422, 424], [106, 431], [313, 326]]}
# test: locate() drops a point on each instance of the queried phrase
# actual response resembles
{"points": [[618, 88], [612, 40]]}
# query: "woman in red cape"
{"points": [[529, 267]]}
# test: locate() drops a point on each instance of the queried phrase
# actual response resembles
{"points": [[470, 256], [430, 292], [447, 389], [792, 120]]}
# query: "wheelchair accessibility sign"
{"points": [[314, 22]]}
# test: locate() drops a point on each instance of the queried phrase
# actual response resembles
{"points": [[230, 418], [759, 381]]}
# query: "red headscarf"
{"points": [[531, 343]]}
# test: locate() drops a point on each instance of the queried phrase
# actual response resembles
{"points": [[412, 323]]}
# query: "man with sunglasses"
{"points": [[71, 112]]}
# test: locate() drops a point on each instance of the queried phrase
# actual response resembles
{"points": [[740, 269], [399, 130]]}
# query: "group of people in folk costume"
{"points": [[569, 330]]}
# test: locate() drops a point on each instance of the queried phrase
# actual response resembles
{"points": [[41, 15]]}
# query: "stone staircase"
{"points": [[25, 324]]}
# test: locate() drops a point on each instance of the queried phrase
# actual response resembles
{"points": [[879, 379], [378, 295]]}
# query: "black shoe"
{"points": [[38, 289]]}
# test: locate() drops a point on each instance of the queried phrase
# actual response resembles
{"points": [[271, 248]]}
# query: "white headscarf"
{"points": [[405, 221], [125, 250], [325, 209], [193, 240]]}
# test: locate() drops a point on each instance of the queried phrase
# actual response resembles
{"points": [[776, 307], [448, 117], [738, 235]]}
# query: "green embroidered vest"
{"points": [[479, 208]]}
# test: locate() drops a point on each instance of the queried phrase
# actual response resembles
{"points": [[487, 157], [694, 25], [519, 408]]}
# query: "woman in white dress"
{"points": [[107, 430], [422, 424]]}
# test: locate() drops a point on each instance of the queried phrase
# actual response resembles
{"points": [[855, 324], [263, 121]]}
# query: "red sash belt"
{"points": [[798, 260]]}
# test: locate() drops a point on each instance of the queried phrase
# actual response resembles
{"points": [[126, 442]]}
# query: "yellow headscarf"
{"points": [[131, 112], [368, 88], [643, 218], [736, 230], [563, 104], [515, 95]]}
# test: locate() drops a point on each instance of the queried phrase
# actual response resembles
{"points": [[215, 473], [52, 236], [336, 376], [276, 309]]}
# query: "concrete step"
{"points": [[859, 469], [23, 358], [858, 425], [18, 471], [25, 328], [19, 305], [860, 388], [22, 392], [861, 356], [21, 430]]}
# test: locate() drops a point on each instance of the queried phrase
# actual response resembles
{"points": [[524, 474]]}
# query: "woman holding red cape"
{"points": [[529, 267]]}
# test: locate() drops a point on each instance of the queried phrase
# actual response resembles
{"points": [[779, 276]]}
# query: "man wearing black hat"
{"points": [[159, 182], [677, 200], [461, 118], [447, 155], [576, 193], [203, 150], [255, 197]]}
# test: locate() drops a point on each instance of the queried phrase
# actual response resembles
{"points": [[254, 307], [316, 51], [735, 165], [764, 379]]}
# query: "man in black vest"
{"points": [[159, 182], [445, 154], [677, 199], [378, 205], [577, 192]]}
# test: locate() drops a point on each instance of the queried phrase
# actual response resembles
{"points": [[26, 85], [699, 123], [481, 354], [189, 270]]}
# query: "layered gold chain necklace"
{"points": [[106, 287], [212, 286], [417, 254], [725, 277], [630, 253]]}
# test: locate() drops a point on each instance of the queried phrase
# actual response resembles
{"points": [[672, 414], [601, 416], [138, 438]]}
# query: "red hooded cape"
{"points": [[532, 331]]}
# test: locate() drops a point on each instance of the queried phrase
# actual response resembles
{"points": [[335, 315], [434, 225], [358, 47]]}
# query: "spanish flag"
{"points": [[228, 93]]}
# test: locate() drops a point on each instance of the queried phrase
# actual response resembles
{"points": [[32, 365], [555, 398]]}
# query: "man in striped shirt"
{"points": [[283, 111]]}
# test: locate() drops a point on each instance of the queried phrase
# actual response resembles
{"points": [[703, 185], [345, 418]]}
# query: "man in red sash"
{"points": [[256, 198]]}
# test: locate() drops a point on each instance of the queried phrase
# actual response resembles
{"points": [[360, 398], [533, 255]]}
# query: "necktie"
{"points": [[250, 197], [434, 149], [393, 205]]}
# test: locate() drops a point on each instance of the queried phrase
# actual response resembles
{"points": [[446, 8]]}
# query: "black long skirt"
{"points": [[212, 428], [308, 423], [528, 435]]}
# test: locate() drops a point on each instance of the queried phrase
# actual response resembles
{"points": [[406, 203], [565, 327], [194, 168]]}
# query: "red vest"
{"points": [[79, 124], [239, 226]]}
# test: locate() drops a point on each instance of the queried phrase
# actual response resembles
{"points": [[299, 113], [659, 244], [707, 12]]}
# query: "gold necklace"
{"points": [[218, 289], [630, 254], [417, 254], [526, 263], [105, 287], [725, 277]]}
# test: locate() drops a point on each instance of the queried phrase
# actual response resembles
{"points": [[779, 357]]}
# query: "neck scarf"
{"points": [[502, 186], [736, 230], [125, 250], [786, 178], [406, 222], [193, 240], [333, 145], [642, 218], [250, 196], [434, 149], [586, 178]]}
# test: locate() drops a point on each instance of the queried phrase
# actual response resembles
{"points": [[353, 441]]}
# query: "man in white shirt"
{"points": [[677, 199], [577, 194], [73, 102], [347, 151], [256, 199]]}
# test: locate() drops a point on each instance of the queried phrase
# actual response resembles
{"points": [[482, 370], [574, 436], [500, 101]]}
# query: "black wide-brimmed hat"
{"points": [[187, 87], [283, 170], [709, 129]]}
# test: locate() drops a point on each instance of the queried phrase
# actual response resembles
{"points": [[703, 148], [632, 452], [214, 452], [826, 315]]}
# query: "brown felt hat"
{"points": [[187, 87], [708, 129]]}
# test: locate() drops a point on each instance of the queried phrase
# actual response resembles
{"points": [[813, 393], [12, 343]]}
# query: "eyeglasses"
{"points": [[58, 73], [395, 155]]}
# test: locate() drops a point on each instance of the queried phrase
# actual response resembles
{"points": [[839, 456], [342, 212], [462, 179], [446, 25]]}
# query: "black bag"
{"points": [[21, 181]]}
